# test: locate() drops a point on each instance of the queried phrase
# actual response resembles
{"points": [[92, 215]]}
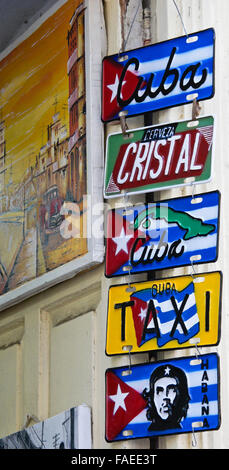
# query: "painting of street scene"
{"points": [[43, 171]]}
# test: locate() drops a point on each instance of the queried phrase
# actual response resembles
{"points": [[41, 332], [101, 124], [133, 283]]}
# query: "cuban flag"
{"points": [[126, 407], [120, 236], [192, 61], [167, 316], [112, 71], [120, 410]]}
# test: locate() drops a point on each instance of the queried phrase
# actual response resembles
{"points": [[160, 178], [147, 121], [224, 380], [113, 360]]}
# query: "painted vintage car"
{"points": [[49, 212]]}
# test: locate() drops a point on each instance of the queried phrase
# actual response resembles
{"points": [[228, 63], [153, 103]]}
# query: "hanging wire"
{"points": [[193, 190], [197, 352], [180, 17], [130, 360], [193, 272], [131, 26], [122, 115], [194, 440], [130, 288]]}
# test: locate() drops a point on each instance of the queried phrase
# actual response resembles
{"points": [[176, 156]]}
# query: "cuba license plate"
{"points": [[172, 313], [162, 75], [167, 397], [165, 234], [158, 157]]}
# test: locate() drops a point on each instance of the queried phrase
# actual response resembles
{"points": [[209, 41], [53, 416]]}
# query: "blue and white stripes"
{"points": [[198, 249], [193, 63], [167, 316], [203, 388]]}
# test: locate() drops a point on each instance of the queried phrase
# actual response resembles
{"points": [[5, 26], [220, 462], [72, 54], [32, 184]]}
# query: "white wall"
{"points": [[52, 346]]}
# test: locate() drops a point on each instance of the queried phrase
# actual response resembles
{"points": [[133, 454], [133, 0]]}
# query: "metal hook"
{"points": [[196, 108], [129, 277], [130, 288], [194, 440], [128, 267], [126, 199], [194, 272], [123, 123], [130, 347], [193, 187], [197, 352]]}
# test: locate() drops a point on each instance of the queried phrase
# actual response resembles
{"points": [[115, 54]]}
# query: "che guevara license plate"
{"points": [[171, 313], [158, 76], [160, 235], [158, 157], [167, 397]]}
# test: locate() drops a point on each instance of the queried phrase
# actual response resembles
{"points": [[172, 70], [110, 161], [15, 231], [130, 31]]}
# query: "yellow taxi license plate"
{"points": [[171, 313]]}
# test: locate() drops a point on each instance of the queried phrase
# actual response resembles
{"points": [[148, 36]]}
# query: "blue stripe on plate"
{"points": [[141, 429]]}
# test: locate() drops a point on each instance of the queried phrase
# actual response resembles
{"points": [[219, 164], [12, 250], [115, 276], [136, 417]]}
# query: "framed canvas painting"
{"points": [[51, 150]]}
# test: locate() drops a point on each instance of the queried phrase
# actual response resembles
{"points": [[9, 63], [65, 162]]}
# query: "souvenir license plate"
{"points": [[171, 313], [161, 235], [158, 76], [158, 157], [167, 397]]}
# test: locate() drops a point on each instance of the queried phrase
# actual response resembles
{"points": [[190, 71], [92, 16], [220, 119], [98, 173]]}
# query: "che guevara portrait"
{"points": [[167, 398]]}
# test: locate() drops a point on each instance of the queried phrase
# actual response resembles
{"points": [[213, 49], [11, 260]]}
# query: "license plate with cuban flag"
{"points": [[162, 75], [164, 234], [168, 397], [171, 313]]}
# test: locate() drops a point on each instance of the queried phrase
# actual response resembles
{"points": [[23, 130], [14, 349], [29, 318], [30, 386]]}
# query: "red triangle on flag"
{"points": [[112, 71], [120, 238], [123, 403]]}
